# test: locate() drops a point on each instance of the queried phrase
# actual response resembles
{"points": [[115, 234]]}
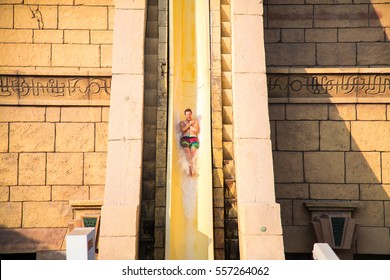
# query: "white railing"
{"points": [[80, 244], [322, 251]]}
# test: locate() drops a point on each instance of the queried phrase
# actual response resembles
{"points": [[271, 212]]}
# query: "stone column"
{"points": [[259, 221], [120, 213]]}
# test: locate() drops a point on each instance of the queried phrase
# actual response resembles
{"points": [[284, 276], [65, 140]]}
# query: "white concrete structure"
{"points": [[80, 244]]}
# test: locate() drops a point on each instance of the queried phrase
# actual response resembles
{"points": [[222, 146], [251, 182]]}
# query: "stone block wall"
{"points": [[60, 34], [49, 155], [322, 33], [332, 152]]}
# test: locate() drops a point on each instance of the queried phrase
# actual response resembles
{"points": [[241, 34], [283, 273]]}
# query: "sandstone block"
{"points": [[228, 150], [49, 36], [226, 43], [336, 54], [53, 114], [75, 137], [340, 112], [321, 35], [32, 169], [335, 136], [105, 114], [286, 211], [64, 168], [293, 35], [15, 36], [22, 114], [217, 178], [8, 168], [101, 37], [31, 137], [292, 191], [297, 135], [370, 213], [76, 36], [95, 3], [293, 241], [374, 192], [81, 114], [70, 193], [95, 168], [4, 193], [334, 191], [385, 167], [101, 137], [30, 193], [324, 167], [373, 240], [11, 214], [288, 167], [361, 35], [76, 55], [277, 111], [379, 14], [371, 112], [290, 54], [96, 192], [106, 56], [270, 36], [3, 137], [372, 53], [301, 215], [23, 17], [370, 136], [6, 20], [280, 17], [387, 213], [82, 17], [340, 16], [307, 111], [46, 214], [363, 167]]}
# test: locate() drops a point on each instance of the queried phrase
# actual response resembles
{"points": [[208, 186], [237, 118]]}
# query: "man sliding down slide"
{"points": [[189, 139]]}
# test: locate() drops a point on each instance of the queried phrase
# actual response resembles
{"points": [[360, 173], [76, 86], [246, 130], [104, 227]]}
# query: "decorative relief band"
{"points": [[329, 87], [54, 90]]}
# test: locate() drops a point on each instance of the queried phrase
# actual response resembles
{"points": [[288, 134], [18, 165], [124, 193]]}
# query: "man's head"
{"points": [[188, 114]]}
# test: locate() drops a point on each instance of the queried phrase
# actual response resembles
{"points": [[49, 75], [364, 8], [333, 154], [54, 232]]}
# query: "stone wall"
{"points": [[318, 33], [55, 68]]}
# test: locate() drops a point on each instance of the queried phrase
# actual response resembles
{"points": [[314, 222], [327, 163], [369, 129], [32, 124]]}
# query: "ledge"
{"points": [[332, 206], [316, 70]]}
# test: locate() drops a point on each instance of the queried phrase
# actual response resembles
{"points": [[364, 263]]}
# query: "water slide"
{"points": [[189, 219]]}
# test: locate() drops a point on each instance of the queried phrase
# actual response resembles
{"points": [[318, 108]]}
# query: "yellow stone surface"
{"points": [[75, 137], [95, 168], [385, 160], [64, 168], [81, 114], [363, 167], [11, 214], [288, 167], [82, 17], [4, 193], [49, 36], [3, 137], [374, 192], [334, 191], [53, 114], [324, 167], [297, 135], [70, 193], [76, 55], [8, 169], [46, 17], [76, 36], [96, 192], [307, 111], [292, 191], [31, 137], [30, 193], [46, 214], [32, 169], [25, 55], [370, 136], [334, 136], [370, 213], [371, 111], [101, 137], [22, 114], [342, 112], [101, 37], [15, 36], [6, 19], [105, 114]]}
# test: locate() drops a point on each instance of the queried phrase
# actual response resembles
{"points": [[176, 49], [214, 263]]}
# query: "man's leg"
{"points": [[187, 151], [192, 155]]}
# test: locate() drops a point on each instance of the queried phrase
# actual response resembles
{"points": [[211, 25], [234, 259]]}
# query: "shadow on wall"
{"points": [[29, 243], [330, 152]]}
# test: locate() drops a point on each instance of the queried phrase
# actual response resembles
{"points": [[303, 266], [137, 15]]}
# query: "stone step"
{"points": [[151, 63], [152, 29], [151, 46]]}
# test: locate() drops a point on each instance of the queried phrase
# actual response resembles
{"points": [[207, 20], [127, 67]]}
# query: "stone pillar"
{"points": [[259, 221], [120, 212]]}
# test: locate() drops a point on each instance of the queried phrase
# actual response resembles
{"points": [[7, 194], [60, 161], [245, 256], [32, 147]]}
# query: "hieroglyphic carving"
{"points": [[54, 88], [328, 85]]}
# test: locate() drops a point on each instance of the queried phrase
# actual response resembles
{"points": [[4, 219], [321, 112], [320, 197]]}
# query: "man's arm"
{"points": [[195, 127], [184, 126]]}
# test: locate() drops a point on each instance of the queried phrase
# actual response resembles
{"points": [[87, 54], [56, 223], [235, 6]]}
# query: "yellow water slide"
{"points": [[189, 219]]}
